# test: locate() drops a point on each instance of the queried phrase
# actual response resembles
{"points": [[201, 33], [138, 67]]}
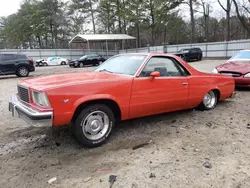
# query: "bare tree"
{"points": [[191, 9], [242, 19], [206, 12], [227, 9]]}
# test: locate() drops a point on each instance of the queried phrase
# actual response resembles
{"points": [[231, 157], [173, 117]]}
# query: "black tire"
{"points": [[80, 133], [81, 65], [46, 64], [199, 58], [185, 58], [22, 71], [204, 106], [63, 63]]}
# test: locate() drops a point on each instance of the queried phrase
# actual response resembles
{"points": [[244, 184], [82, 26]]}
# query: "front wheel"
{"points": [[209, 101], [22, 71], [94, 125]]}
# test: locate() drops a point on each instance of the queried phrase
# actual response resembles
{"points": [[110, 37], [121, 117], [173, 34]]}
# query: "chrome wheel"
{"points": [[95, 125], [209, 100], [81, 65]]}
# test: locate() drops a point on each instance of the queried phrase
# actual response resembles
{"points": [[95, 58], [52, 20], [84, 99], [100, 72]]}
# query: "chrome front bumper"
{"points": [[33, 117]]}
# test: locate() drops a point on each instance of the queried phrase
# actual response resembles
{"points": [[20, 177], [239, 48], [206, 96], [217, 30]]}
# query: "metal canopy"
{"points": [[100, 37]]}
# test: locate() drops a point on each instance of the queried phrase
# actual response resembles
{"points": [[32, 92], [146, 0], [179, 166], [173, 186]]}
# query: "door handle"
{"points": [[185, 83]]}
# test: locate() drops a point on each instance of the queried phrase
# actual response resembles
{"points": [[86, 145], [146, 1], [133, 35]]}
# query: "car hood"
{"points": [[62, 80], [235, 66]]}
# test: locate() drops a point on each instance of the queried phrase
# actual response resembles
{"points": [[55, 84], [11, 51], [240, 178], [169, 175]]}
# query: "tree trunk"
{"points": [[119, 15], [228, 20], [153, 21], [92, 15], [108, 12], [124, 20], [138, 34], [165, 34], [55, 36], [52, 34], [192, 20], [39, 41]]}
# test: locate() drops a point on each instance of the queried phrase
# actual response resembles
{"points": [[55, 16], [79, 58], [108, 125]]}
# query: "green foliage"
{"points": [[52, 23]]}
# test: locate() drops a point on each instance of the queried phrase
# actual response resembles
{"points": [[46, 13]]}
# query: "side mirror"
{"points": [[155, 74]]}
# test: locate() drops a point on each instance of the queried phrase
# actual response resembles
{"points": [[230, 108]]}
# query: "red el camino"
{"points": [[125, 86], [237, 66]]}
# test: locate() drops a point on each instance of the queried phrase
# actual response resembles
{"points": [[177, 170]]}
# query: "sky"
{"points": [[11, 6]]}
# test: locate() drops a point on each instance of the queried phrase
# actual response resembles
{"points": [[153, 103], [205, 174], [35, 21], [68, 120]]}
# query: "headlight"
{"points": [[215, 71], [40, 98], [247, 75]]}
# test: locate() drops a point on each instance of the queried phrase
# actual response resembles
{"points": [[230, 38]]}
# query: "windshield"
{"points": [[122, 64], [83, 57], [242, 55]]}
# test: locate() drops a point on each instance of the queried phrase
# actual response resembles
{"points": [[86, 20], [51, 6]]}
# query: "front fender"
{"points": [[92, 98]]}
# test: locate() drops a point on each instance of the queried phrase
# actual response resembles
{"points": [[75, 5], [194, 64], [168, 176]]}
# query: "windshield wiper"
{"points": [[105, 70]]}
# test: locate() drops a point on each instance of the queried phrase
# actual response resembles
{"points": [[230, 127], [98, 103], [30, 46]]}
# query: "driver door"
{"points": [[169, 92]]}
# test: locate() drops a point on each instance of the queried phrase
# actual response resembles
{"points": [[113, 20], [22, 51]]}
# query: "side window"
{"points": [[8, 57], [165, 66]]}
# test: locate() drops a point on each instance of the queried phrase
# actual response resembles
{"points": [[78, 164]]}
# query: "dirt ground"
{"points": [[186, 149]]}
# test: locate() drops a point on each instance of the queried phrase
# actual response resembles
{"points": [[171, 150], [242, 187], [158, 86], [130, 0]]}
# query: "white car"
{"points": [[57, 61]]}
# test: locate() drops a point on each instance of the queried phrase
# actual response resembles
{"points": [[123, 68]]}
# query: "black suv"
{"points": [[189, 54], [91, 59], [18, 64]]}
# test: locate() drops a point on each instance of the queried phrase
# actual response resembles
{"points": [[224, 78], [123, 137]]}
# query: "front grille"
{"points": [[23, 94], [234, 74]]}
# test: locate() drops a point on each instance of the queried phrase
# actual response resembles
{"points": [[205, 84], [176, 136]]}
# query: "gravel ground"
{"points": [[185, 149]]}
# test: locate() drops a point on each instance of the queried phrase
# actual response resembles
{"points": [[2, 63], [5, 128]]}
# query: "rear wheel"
{"points": [[93, 125], [81, 65], [63, 63], [22, 71], [209, 101]]}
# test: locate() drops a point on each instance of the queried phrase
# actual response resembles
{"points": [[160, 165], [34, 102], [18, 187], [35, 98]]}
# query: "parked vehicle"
{"points": [[41, 62], [19, 64], [91, 59], [238, 66], [56, 61], [188, 54], [125, 86]]}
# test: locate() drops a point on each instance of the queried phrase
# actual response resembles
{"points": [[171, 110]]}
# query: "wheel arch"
{"points": [[113, 105], [22, 65], [218, 93]]}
